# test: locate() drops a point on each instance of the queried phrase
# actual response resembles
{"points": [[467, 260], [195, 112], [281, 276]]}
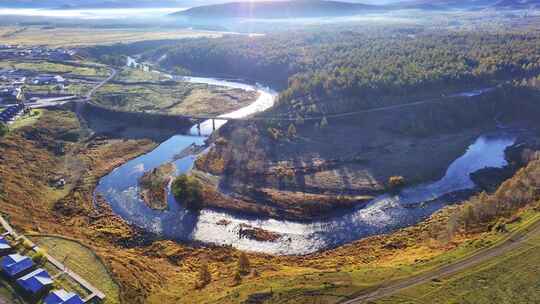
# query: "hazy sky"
{"points": [[172, 2]]}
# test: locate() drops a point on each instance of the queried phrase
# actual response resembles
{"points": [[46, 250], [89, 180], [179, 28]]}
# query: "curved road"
{"points": [[48, 102], [88, 95], [393, 287]]}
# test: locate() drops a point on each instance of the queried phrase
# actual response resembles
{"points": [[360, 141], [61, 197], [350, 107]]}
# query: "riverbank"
{"points": [[154, 184], [163, 271], [173, 98], [417, 143]]}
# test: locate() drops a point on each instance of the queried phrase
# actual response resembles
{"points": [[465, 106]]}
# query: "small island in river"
{"points": [[153, 186]]}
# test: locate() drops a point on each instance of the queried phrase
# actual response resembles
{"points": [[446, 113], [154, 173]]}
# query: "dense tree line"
{"points": [[124, 49], [336, 70]]}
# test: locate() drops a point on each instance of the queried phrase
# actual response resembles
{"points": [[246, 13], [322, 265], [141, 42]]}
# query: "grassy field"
{"points": [[136, 75], [165, 271], [319, 284], [7, 294], [510, 278], [180, 98], [83, 262], [71, 37], [72, 88], [26, 120], [49, 67]]}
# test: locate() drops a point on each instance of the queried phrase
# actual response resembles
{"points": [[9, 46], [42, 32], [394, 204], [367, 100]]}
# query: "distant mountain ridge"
{"points": [[279, 9], [116, 4], [518, 4], [471, 4], [273, 8], [447, 4], [334, 8], [82, 4]]}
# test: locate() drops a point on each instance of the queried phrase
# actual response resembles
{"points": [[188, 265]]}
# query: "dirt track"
{"points": [[393, 287]]}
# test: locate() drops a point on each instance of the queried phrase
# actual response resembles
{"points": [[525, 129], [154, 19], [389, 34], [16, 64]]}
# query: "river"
{"points": [[383, 214]]}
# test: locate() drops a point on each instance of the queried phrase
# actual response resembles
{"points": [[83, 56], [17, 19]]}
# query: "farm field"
{"points": [[77, 37]]}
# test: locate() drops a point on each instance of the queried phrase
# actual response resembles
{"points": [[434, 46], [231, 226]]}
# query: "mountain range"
{"points": [[82, 4], [518, 4], [279, 9], [276, 8], [328, 8]]}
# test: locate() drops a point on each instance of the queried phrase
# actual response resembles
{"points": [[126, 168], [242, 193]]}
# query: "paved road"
{"points": [[88, 96], [48, 102], [393, 287]]}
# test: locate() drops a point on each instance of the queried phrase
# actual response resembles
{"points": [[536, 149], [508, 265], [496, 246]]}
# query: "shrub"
{"points": [[396, 182], [3, 129], [324, 123], [204, 276], [27, 244], [188, 190], [221, 141], [237, 279], [274, 133], [291, 131], [243, 264], [39, 257], [71, 136]]}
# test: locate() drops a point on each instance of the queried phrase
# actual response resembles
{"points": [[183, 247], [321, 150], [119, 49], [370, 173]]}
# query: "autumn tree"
{"points": [[292, 130], [243, 264], [204, 276]]}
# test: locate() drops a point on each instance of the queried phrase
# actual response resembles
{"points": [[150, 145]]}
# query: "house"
{"points": [[4, 246], [36, 281], [15, 265], [48, 79], [10, 95], [18, 81], [12, 111], [63, 297]]}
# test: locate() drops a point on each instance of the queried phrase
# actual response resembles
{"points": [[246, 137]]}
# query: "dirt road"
{"points": [[393, 287]]}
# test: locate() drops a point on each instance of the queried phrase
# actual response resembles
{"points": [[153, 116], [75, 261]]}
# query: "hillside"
{"points": [[469, 4], [270, 163], [278, 9], [518, 4], [83, 4], [445, 4]]}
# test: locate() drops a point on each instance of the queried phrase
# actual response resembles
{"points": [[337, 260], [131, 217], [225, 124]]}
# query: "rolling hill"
{"points": [[279, 9], [82, 4], [518, 4], [327, 8], [444, 4]]}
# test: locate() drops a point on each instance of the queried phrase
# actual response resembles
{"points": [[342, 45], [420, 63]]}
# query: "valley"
{"points": [[350, 161]]}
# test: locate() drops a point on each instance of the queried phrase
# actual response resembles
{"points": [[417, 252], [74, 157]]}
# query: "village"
{"points": [[37, 276], [30, 78]]}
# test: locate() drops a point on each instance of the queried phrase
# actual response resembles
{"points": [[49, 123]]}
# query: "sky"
{"points": [[179, 3]]}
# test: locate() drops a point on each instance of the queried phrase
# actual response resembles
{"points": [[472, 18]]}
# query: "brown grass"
{"points": [[165, 271]]}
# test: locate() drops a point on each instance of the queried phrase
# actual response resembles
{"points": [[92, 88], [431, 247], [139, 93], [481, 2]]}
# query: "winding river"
{"points": [[383, 214]]}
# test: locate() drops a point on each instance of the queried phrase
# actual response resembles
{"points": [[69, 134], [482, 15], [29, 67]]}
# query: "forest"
{"points": [[337, 70]]}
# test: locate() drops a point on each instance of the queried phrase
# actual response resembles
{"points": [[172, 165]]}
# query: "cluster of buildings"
{"points": [[46, 79], [12, 112], [12, 80], [11, 86], [32, 281], [35, 52], [10, 95], [13, 89]]}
